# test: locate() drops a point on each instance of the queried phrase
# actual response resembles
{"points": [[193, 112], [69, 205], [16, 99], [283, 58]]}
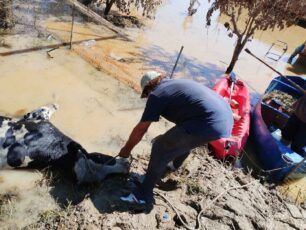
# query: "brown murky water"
{"points": [[99, 111], [96, 110], [208, 50]]}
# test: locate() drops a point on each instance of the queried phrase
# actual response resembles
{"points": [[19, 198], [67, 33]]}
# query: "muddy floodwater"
{"points": [[94, 109], [207, 51], [93, 83]]}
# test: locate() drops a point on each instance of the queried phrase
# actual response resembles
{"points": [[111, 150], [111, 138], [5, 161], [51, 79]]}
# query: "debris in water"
{"points": [[89, 43], [165, 217], [49, 52], [115, 57], [50, 37]]}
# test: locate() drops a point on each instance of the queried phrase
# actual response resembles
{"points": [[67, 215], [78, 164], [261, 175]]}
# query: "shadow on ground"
{"points": [[105, 197], [188, 67]]}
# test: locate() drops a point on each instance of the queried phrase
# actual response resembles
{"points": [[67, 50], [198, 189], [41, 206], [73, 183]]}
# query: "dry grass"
{"points": [[49, 177], [7, 203], [52, 219]]}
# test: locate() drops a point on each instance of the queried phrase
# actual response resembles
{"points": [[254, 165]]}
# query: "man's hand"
{"points": [[123, 163]]}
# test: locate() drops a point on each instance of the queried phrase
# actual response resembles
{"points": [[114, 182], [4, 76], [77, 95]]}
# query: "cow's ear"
{"points": [[16, 155]]}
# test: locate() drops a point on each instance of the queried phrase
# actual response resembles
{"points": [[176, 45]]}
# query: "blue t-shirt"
{"points": [[192, 106]]}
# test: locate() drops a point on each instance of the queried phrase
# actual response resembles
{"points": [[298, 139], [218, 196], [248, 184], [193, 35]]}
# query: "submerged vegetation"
{"points": [[147, 7]]}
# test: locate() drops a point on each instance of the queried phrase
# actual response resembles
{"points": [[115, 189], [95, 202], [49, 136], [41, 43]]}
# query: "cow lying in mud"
{"points": [[33, 138]]}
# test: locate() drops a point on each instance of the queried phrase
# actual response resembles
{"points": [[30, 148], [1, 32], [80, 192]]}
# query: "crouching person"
{"points": [[200, 115]]}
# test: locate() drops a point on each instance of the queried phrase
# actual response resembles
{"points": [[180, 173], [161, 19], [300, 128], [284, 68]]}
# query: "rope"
{"points": [[259, 168], [198, 219], [219, 196], [286, 160], [175, 210]]}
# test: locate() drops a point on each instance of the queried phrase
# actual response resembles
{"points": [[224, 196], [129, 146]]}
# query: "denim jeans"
{"points": [[295, 131], [175, 145]]}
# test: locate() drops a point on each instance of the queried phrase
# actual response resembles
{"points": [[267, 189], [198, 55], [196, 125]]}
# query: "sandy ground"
{"points": [[99, 112]]}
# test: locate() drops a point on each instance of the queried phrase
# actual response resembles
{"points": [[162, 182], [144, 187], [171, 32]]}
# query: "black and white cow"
{"points": [[35, 138]]}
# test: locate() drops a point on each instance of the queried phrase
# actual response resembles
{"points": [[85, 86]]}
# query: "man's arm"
{"points": [[135, 137]]}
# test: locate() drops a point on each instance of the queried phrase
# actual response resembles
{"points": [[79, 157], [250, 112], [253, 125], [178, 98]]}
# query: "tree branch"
{"points": [[247, 24], [250, 26], [235, 30]]}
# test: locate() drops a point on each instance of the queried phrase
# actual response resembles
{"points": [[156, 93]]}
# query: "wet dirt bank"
{"points": [[247, 205]]}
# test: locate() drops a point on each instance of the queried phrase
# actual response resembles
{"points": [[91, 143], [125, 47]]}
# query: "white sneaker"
{"points": [[131, 198]]}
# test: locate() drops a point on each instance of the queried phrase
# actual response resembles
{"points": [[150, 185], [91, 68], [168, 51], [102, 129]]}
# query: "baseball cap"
{"points": [[147, 77]]}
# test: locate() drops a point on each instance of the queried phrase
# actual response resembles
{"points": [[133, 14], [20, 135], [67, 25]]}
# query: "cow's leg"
{"points": [[16, 155]]}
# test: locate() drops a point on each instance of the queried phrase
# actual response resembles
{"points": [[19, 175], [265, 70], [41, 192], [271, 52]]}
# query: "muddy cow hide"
{"points": [[35, 140]]}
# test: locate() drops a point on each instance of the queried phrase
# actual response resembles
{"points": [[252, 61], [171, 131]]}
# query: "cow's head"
{"points": [[41, 114]]}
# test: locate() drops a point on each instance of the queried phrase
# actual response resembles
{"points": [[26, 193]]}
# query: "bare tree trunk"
{"points": [[239, 47], [235, 56], [6, 14], [109, 4]]}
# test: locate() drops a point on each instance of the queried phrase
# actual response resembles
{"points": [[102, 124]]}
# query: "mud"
{"points": [[252, 207]]}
